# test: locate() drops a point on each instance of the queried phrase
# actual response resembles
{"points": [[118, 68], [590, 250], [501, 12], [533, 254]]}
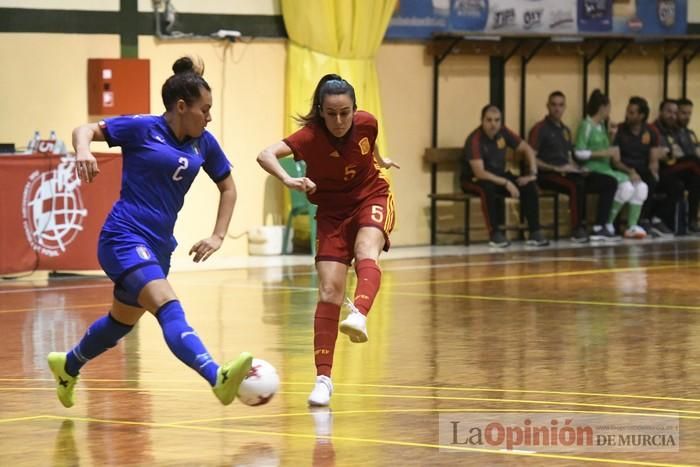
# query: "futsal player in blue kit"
{"points": [[161, 157]]}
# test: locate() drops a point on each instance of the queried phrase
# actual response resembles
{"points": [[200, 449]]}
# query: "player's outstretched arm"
{"points": [[86, 164], [268, 161], [204, 248], [384, 162]]}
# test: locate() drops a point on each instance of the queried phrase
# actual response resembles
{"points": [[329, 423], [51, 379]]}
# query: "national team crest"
{"points": [[143, 252], [646, 138], [501, 143], [364, 146]]}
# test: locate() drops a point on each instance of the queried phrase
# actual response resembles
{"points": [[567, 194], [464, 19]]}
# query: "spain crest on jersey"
{"points": [[364, 146], [501, 142], [646, 138]]}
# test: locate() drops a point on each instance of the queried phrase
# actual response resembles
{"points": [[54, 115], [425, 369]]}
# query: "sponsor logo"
{"points": [[595, 9], [666, 10], [504, 18], [532, 18], [471, 8], [560, 19]]}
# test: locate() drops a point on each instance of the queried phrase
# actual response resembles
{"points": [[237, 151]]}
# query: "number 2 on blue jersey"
{"points": [[183, 166]]}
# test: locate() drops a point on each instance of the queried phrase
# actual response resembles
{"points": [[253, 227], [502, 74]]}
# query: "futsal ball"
{"points": [[260, 384]]}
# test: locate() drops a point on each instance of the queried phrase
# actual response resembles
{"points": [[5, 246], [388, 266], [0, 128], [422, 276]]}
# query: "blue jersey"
{"points": [[157, 172]]}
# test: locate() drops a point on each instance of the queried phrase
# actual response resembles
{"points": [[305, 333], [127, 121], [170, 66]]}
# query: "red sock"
{"points": [[325, 334], [369, 276]]}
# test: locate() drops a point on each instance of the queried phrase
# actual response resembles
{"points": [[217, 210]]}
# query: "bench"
{"points": [[448, 159]]}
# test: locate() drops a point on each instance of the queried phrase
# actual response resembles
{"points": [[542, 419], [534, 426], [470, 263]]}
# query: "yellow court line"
{"points": [[547, 300], [21, 419], [380, 441], [66, 307], [527, 391], [145, 390], [389, 411], [393, 396], [510, 401], [547, 274], [383, 386]]}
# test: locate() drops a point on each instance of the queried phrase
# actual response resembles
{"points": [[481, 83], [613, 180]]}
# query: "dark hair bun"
{"points": [[188, 65]]}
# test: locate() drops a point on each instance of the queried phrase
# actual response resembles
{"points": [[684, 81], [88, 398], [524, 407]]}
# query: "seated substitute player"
{"points": [[593, 147], [639, 157], [678, 170], [687, 139], [484, 173], [355, 212], [162, 156], [558, 171]]}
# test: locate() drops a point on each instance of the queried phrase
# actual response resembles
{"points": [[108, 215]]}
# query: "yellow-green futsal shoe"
{"points": [[65, 383], [229, 377]]}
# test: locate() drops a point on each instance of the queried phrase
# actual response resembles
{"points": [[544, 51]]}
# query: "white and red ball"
{"points": [[260, 384]]}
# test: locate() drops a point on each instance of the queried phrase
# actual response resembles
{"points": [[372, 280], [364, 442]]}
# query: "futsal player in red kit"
{"points": [[355, 212]]}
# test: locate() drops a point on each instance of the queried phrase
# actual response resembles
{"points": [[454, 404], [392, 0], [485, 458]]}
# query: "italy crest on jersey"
{"points": [[143, 253]]}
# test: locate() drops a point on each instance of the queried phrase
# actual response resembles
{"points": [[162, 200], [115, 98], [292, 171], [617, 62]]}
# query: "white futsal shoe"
{"points": [[355, 324], [321, 394]]}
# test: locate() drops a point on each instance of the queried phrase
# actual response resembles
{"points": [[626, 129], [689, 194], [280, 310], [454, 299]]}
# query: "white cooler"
{"points": [[267, 240]]}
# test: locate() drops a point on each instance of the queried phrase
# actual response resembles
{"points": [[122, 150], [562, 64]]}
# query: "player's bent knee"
{"points": [[155, 294], [330, 292], [625, 191], [641, 191], [370, 244], [126, 314]]}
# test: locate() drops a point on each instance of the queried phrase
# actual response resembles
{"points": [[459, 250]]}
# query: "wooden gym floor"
{"points": [[608, 331]]}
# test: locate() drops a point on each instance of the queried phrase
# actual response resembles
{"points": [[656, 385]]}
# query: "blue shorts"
{"points": [[131, 263]]}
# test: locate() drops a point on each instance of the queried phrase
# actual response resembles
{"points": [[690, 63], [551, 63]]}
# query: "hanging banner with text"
{"points": [[422, 19]]}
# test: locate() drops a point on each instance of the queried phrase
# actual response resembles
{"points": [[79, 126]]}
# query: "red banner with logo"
{"points": [[50, 219]]}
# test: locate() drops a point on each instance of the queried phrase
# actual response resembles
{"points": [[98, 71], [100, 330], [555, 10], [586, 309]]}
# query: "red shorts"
{"points": [[337, 230]]}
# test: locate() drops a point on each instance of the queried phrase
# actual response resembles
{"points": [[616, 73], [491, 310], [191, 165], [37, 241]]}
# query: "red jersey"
{"points": [[343, 169]]}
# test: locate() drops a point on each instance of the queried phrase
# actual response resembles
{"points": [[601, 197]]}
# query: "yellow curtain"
{"points": [[334, 36]]}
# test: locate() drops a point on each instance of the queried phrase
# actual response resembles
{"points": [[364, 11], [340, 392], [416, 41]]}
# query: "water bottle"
{"points": [[34, 142]]}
